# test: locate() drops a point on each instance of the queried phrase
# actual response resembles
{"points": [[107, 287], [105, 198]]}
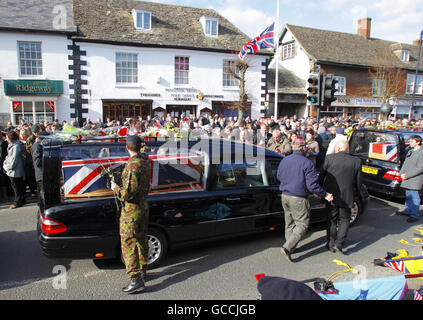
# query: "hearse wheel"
{"points": [[157, 247]]}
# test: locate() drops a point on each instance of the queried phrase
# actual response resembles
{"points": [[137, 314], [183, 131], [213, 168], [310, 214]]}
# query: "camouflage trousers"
{"points": [[133, 236]]}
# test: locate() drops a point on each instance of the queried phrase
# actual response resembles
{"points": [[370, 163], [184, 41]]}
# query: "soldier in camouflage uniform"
{"points": [[31, 140], [134, 214]]}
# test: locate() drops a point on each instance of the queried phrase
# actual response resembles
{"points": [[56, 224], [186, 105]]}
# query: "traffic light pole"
{"points": [[318, 114], [415, 79]]}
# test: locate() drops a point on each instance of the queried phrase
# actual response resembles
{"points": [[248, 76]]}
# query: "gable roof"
{"points": [[333, 47], [37, 15], [171, 25]]}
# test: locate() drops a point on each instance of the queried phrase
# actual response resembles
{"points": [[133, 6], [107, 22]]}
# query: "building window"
{"points": [[405, 55], [288, 50], [30, 61], [340, 86], [181, 70], [212, 27], [378, 87], [126, 68], [410, 84], [228, 78], [142, 20], [33, 111]]}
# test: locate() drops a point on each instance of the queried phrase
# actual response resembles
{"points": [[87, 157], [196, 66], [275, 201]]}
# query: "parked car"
{"points": [[204, 190], [382, 153]]}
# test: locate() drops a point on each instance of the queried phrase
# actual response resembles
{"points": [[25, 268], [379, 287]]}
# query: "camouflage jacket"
{"points": [[135, 180], [29, 143]]}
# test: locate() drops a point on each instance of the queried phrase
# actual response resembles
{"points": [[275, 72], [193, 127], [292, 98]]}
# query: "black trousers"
{"points": [[338, 223], [18, 186]]}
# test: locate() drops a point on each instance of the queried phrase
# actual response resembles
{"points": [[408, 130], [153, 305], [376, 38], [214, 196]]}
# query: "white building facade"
{"points": [[157, 65], [131, 81], [34, 77]]}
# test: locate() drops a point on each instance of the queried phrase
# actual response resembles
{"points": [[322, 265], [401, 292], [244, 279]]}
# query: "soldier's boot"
{"points": [[135, 285]]}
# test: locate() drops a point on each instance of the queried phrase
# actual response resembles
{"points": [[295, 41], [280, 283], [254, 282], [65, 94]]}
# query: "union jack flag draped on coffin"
{"points": [[85, 175], [266, 40], [168, 173], [386, 151]]}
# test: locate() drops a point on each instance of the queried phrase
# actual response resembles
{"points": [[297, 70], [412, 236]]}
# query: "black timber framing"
{"points": [[79, 85]]}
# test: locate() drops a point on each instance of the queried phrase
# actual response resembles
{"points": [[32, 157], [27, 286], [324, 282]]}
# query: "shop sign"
{"points": [[33, 87], [16, 105], [151, 95]]}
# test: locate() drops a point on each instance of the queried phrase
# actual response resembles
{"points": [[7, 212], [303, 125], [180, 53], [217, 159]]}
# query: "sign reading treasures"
{"points": [[33, 87]]}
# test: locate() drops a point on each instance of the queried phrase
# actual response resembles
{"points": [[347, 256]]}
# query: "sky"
{"points": [[393, 20]]}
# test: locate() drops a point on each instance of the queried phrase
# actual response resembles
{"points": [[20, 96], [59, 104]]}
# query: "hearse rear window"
{"points": [[87, 171], [375, 145]]}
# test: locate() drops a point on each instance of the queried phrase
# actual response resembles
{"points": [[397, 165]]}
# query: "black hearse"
{"points": [[200, 190], [382, 153]]}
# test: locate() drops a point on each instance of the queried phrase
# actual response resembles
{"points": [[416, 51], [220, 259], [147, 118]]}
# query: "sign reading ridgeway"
{"points": [[33, 87]]}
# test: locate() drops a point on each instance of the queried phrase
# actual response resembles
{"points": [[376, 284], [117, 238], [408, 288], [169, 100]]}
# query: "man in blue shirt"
{"points": [[298, 178]]}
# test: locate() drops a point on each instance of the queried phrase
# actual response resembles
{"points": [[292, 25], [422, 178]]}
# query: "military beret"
{"points": [[35, 128], [133, 140]]}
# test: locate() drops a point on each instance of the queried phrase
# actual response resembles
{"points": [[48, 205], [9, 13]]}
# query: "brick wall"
{"points": [[358, 80]]}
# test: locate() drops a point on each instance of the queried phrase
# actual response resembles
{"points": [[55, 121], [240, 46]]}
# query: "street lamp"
{"points": [[415, 78]]}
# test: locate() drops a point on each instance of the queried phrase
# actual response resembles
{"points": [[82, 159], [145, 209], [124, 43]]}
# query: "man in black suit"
{"points": [[341, 176]]}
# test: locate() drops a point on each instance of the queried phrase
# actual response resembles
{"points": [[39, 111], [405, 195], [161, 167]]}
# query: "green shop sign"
{"points": [[33, 87]]}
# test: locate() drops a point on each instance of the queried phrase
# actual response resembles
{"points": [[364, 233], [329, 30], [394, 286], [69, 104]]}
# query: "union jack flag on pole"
{"points": [[266, 40]]}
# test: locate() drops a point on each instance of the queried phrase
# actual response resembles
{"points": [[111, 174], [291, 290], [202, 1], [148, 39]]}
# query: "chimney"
{"points": [[364, 26]]}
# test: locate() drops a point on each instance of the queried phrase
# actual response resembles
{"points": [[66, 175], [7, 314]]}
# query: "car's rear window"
{"points": [[375, 145], [87, 170]]}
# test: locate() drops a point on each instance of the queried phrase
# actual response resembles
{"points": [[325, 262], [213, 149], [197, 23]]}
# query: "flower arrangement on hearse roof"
{"points": [[70, 133]]}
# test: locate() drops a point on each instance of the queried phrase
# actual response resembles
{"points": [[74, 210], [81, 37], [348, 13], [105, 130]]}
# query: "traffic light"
{"points": [[328, 89], [313, 89]]}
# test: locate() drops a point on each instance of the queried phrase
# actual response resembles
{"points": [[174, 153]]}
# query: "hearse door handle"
{"points": [[233, 199]]}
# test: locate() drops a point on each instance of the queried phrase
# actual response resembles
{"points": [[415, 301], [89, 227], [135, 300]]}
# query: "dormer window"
{"points": [[142, 20], [405, 55], [210, 26]]}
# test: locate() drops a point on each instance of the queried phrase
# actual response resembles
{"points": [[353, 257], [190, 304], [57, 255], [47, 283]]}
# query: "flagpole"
{"points": [[275, 58]]}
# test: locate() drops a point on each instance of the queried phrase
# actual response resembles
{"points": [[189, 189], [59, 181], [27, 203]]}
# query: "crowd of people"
{"points": [[18, 174]]}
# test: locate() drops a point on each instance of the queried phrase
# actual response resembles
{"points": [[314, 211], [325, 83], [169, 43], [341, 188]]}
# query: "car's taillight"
{"points": [[393, 175], [50, 226]]}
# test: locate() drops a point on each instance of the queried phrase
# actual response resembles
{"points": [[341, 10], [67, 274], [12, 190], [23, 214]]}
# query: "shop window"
{"points": [[34, 111]]}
